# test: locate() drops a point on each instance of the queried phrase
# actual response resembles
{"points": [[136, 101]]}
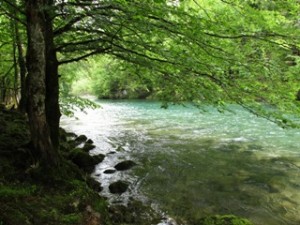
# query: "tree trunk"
{"points": [[36, 66], [22, 65], [52, 83], [16, 69]]}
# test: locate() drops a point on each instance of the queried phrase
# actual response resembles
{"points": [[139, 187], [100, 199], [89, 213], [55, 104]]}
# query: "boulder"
{"points": [[98, 158], [87, 147], [81, 139], [82, 159], [89, 141]]}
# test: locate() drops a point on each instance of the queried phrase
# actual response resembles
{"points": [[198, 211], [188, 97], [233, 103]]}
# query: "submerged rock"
{"points": [[125, 165], [120, 149], [118, 187]]}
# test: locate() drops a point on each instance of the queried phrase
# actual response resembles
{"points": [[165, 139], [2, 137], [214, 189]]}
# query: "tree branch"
{"points": [[98, 51], [79, 43], [68, 26]]}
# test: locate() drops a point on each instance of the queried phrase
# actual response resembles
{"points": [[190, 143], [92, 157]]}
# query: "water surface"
{"points": [[193, 163]]}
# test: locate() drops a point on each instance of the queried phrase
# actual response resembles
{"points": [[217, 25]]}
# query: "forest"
{"points": [[204, 53]]}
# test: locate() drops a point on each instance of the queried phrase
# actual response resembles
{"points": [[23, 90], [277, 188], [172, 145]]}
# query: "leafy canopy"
{"points": [[203, 51], [207, 52]]}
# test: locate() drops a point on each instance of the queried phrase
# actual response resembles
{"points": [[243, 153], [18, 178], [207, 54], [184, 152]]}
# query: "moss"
{"points": [[223, 220], [7, 192], [72, 218], [65, 204]]}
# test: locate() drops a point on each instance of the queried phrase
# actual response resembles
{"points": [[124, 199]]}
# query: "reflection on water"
{"points": [[193, 163]]}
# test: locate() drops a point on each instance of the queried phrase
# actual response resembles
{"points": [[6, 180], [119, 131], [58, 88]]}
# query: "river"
{"points": [[193, 163]]}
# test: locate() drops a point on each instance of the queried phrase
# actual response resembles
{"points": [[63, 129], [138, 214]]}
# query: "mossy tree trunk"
{"points": [[52, 83], [36, 66]]}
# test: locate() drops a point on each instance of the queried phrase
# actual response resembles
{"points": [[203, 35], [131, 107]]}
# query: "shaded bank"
{"points": [[31, 195]]}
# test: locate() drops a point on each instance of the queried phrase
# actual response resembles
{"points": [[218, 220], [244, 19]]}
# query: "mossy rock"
{"points": [[98, 158], [87, 147], [125, 165], [118, 187], [89, 141], [72, 143], [81, 159], [81, 139], [223, 220], [120, 149], [84, 160]]}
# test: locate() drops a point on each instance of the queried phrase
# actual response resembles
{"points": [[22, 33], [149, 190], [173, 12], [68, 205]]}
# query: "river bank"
{"points": [[31, 195]]}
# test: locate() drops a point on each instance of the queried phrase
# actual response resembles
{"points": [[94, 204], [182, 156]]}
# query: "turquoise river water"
{"points": [[193, 163]]}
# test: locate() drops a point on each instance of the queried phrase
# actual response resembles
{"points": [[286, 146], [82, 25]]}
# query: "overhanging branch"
{"points": [[68, 26], [76, 59]]}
